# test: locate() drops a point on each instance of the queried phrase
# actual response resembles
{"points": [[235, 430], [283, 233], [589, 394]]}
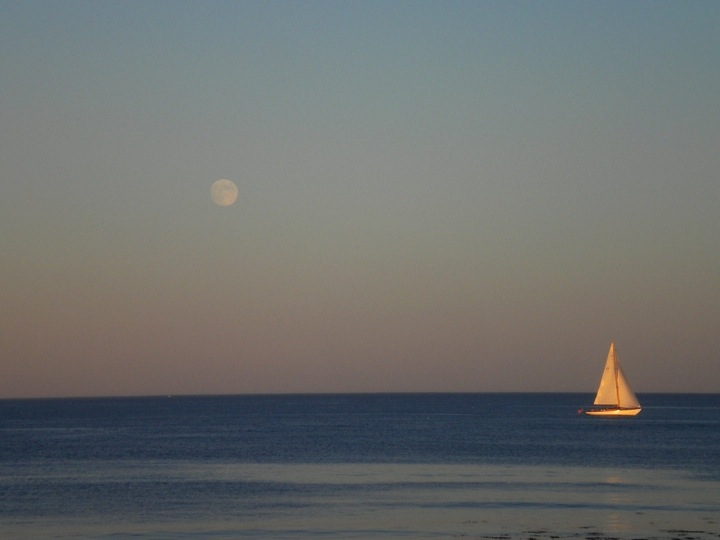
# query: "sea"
{"points": [[359, 466]]}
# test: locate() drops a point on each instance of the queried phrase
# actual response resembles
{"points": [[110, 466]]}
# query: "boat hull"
{"points": [[613, 412]]}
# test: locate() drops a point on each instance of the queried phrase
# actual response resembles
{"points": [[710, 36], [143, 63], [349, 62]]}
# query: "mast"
{"points": [[617, 378]]}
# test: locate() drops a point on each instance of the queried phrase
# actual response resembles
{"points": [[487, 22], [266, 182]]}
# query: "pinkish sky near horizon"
{"points": [[465, 196]]}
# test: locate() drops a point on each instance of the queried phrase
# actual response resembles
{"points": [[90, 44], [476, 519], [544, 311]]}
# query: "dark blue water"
{"points": [[160, 460], [675, 431]]}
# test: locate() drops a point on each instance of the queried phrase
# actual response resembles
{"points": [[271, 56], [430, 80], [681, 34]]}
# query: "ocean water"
{"points": [[414, 466]]}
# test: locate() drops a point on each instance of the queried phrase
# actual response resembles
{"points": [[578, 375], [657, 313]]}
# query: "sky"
{"points": [[433, 196]]}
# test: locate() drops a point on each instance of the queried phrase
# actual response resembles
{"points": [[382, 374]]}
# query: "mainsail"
{"points": [[614, 389]]}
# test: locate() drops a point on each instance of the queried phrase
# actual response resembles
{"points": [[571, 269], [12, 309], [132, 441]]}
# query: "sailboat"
{"points": [[614, 396]]}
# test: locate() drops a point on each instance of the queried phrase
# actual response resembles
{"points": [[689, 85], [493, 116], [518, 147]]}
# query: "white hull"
{"points": [[613, 412]]}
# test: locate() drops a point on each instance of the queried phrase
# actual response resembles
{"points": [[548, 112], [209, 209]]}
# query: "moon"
{"points": [[224, 192]]}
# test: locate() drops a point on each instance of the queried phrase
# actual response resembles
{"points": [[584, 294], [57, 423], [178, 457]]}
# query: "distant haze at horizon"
{"points": [[465, 197]]}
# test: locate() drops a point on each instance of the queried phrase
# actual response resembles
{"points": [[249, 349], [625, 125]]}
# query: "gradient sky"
{"points": [[434, 196]]}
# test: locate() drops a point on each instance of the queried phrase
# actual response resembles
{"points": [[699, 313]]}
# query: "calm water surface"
{"points": [[359, 466]]}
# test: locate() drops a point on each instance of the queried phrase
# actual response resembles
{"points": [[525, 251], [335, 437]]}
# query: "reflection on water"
{"points": [[368, 500], [616, 497]]}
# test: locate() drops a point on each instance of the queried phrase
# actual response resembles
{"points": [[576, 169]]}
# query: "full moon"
{"points": [[224, 192]]}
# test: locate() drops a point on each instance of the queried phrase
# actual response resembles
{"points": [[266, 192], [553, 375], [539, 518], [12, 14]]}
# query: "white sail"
{"points": [[626, 397], [607, 393], [614, 390]]}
